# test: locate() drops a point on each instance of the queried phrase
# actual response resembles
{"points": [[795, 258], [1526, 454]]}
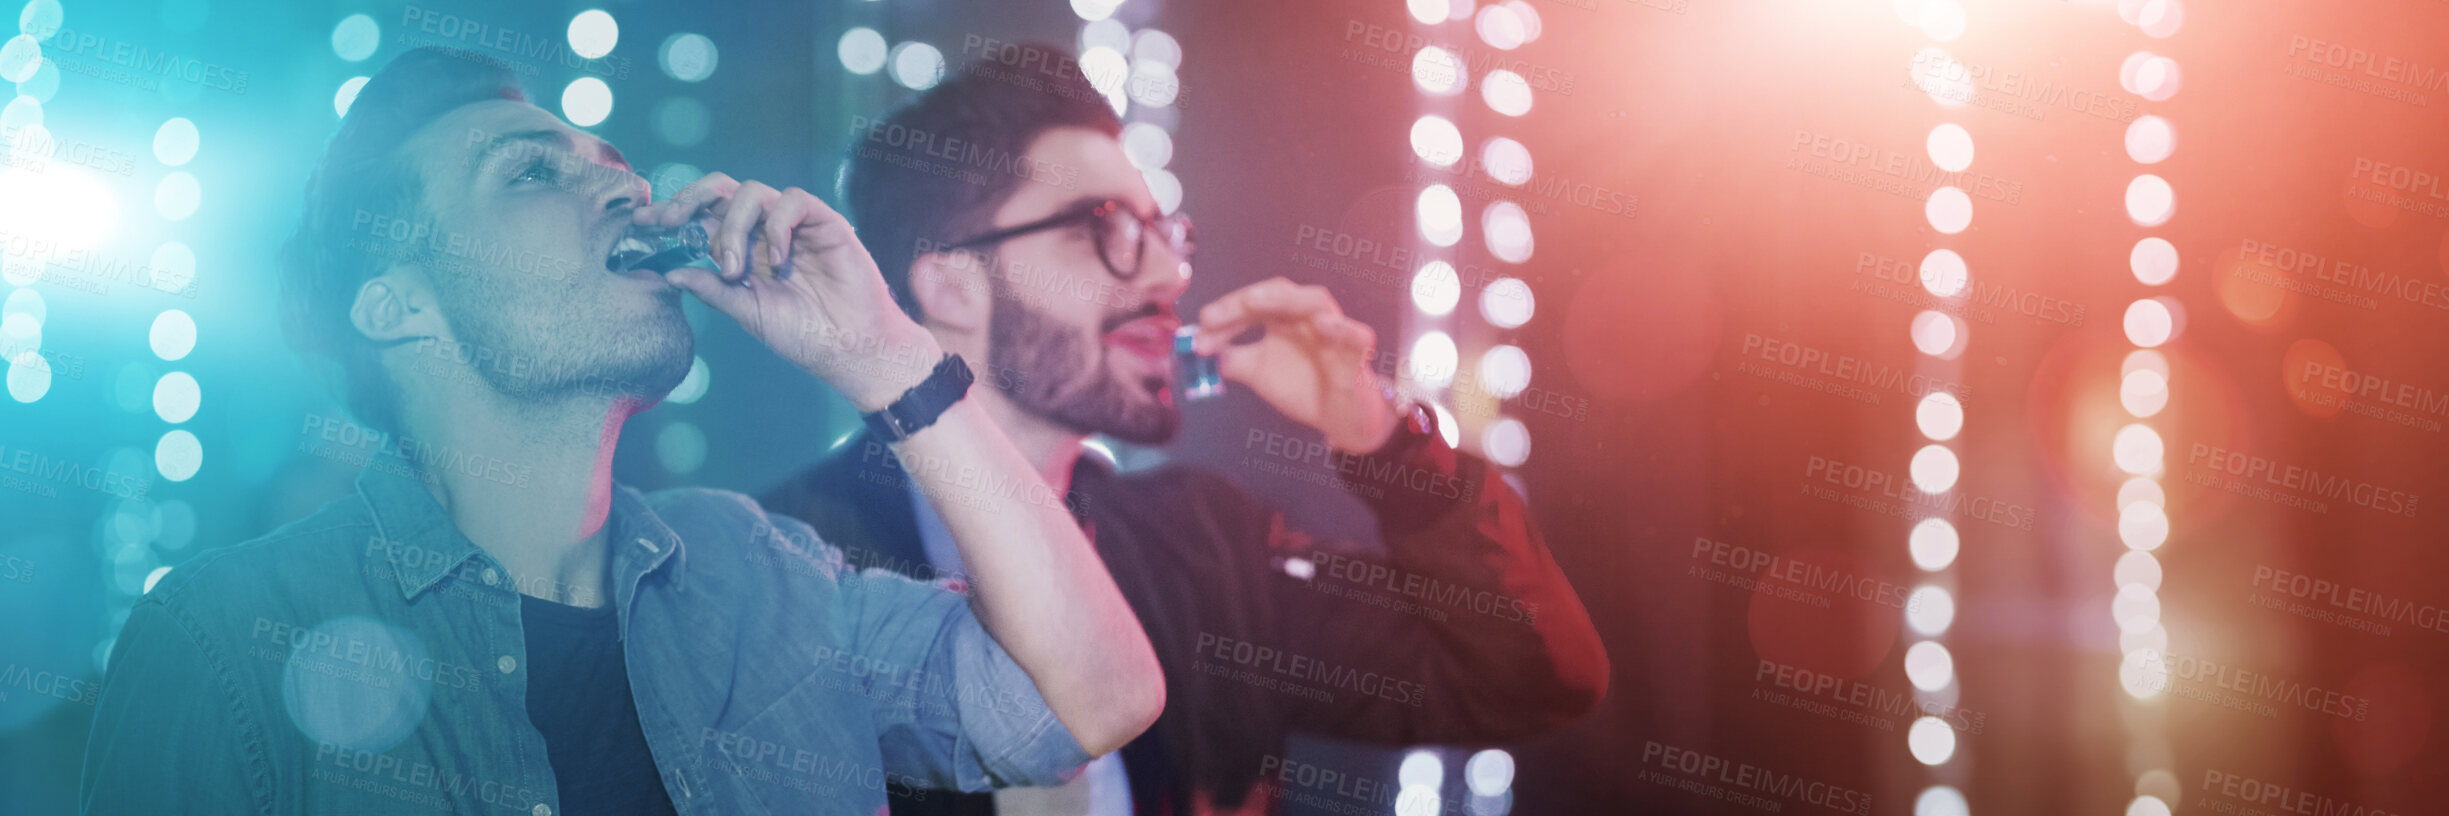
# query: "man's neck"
{"points": [[1051, 448], [530, 484]]}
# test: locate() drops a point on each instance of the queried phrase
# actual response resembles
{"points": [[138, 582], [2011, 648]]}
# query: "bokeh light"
{"points": [[1507, 161], [1504, 371], [1437, 141], [1506, 303], [688, 57], [1441, 215], [1949, 210], [1931, 740], [586, 101], [356, 37], [1933, 544], [1436, 288], [593, 33], [862, 51], [1507, 230], [1951, 147], [1506, 92]]}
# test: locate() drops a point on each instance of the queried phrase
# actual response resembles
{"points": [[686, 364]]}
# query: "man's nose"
{"points": [[622, 189]]}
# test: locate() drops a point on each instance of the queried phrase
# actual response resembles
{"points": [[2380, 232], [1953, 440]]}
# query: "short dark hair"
{"points": [[362, 173], [905, 195]]}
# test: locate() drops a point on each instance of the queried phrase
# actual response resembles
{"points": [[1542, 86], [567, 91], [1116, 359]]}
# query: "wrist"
{"points": [[875, 377]]}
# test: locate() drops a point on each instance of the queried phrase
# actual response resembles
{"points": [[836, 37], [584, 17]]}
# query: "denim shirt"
{"points": [[370, 659]]}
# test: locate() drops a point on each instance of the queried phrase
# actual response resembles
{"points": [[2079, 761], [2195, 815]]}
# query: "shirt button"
{"points": [[541, 809], [492, 578], [508, 665]]}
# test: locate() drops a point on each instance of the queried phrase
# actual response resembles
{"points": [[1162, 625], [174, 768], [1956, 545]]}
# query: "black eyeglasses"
{"points": [[1120, 234]]}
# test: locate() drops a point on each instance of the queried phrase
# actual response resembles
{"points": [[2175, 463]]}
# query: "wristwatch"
{"points": [[923, 403]]}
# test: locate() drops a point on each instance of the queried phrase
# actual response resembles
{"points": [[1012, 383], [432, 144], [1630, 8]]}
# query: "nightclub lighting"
{"points": [[1436, 289], [593, 33], [586, 102], [1820, 280], [688, 57], [862, 50]]}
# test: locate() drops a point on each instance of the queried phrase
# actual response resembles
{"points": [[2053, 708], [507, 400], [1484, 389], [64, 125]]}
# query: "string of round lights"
{"points": [[1940, 336], [2137, 448]]}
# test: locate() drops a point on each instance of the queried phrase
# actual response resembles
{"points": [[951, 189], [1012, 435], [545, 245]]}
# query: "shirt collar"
{"points": [[424, 545], [415, 533], [641, 543]]}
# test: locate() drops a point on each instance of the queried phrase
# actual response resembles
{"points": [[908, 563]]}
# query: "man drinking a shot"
{"points": [[537, 639], [1049, 259]]}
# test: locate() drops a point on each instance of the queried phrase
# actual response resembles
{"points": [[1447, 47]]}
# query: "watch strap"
{"points": [[920, 406]]}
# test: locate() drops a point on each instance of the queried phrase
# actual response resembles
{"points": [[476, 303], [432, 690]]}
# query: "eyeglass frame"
{"points": [[1095, 213]]}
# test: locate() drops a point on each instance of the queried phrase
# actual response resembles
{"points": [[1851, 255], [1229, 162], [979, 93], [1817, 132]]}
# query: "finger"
{"points": [[1345, 332], [733, 301], [1238, 363], [740, 215], [781, 219], [708, 190], [1272, 301]]}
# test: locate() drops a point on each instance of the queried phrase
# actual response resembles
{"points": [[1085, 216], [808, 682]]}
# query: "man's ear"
{"points": [[952, 288], [396, 305]]}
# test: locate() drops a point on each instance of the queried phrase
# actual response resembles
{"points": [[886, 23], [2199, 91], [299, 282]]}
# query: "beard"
{"points": [[544, 350], [1068, 378]]}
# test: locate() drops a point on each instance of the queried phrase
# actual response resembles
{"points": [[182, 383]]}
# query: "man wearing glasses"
{"points": [[1010, 224]]}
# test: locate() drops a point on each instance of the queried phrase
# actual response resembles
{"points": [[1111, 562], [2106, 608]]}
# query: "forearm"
{"points": [[1040, 588]]}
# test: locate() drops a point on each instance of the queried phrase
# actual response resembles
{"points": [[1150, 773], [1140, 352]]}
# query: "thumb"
{"points": [[735, 301], [1240, 363]]}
